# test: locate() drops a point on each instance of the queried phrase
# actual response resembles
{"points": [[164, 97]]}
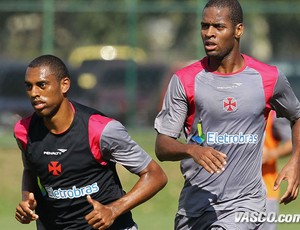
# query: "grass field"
{"points": [[158, 213]]}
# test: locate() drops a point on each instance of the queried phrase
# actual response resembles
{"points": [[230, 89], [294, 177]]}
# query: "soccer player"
{"points": [[278, 143], [221, 103], [69, 153]]}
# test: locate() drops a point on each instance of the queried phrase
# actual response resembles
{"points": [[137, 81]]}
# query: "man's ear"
{"points": [[65, 84], [239, 30]]}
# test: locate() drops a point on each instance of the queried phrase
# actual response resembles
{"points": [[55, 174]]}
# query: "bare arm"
{"points": [[152, 179], [25, 210], [291, 171], [170, 149]]}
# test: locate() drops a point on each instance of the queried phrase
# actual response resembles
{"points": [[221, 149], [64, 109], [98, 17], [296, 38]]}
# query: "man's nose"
{"points": [[210, 32], [34, 91]]}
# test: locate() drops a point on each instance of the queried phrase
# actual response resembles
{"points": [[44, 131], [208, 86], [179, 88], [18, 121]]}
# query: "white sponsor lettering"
{"points": [[55, 153], [216, 138], [270, 217], [234, 85], [62, 150], [73, 192]]}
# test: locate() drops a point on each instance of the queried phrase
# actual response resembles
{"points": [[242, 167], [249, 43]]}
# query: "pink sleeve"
{"points": [[21, 132], [187, 77], [96, 125], [269, 78]]}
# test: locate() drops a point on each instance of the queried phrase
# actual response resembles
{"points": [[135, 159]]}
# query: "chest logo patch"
{"points": [[54, 167], [230, 104]]}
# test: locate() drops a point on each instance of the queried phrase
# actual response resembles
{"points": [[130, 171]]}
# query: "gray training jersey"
{"points": [[117, 146], [227, 112], [281, 129]]}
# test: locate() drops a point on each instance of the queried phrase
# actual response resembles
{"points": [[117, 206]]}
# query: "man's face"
{"points": [[218, 32], [44, 90]]}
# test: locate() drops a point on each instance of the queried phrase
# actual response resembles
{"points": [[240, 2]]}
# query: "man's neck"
{"points": [[227, 65], [62, 119]]}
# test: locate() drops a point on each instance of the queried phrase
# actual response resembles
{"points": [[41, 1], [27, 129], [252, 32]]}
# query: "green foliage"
{"points": [[116, 22]]}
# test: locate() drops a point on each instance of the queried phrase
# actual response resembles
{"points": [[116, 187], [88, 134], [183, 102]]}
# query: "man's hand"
{"points": [[289, 173], [170, 149], [25, 210], [210, 159], [101, 217]]}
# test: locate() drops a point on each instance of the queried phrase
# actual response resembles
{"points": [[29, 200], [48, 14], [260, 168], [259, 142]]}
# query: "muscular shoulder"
{"points": [[190, 71], [96, 125], [105, 129], [266, 70], [98, 119], [21, 131]]}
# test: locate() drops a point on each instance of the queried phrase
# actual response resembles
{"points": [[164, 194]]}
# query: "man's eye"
{"points": [[204, 26], [28, 86], [42, 85]]}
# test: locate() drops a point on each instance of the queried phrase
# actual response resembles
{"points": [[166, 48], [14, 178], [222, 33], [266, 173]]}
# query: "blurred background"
{"points": [[121, 55]]}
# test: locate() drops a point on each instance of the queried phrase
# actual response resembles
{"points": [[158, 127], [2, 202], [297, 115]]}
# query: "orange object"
{"points": [[269, 170]]}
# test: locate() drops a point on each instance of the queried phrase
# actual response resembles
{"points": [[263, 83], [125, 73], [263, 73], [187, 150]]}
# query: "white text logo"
{"points": [[216, 138], [271, 217], [72, 192], [56, 153]]}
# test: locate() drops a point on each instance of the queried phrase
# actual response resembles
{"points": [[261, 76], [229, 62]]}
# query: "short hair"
{"points": [[56, 65], [235, 9]]}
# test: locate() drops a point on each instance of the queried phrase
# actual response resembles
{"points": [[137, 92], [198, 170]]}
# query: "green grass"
{"points": [[158, 213]]}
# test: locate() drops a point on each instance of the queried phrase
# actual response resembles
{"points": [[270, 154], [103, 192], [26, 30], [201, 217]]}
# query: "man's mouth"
{"points": [[209, 46], [38, 105]]}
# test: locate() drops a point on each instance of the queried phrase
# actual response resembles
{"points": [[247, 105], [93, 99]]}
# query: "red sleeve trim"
{"points": [[269, 75], [187, 77], [96, 126], [21, 131]]}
